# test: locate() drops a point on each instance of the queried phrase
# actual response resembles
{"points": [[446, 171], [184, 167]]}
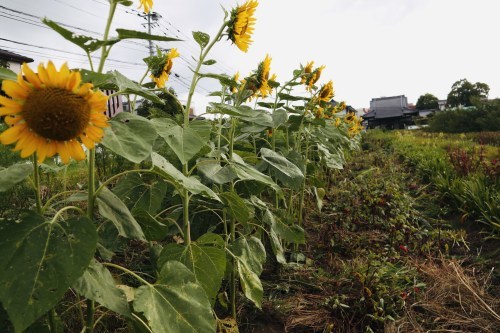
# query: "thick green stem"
{"points": [[89, 325], [232, 287], [36, 180], [104, 49]]}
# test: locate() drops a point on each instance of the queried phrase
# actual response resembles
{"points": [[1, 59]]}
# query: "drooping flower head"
{"points": [[262, 76], [307, 70], [326, 92], [236, 77], [161, 67], [338, 121], [241, 24], [147, 4], [51, 112], [311, 80]]}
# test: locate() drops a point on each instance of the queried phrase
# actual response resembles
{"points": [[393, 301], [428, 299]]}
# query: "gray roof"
{"points": [[388, 112], [11, 56]]}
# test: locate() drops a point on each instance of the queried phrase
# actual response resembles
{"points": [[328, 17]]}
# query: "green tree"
{"points": [[467, 94], [427, 102], [153, 110]]}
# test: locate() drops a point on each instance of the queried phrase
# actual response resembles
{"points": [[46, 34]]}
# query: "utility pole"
{"points": [[151, 18]]}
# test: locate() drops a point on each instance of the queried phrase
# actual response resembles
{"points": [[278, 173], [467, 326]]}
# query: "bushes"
{"points": [[484, 117]]}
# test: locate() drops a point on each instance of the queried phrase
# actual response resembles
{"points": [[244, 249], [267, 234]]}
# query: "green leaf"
{"points": [[153, 229], [319, 193], [129, 87], [332, 160], [290, 233], [14, 174], [250, 254], [224, 79], [97, 284], [103, 81], [209, 62], [132, 34], [280, 117], [237, 206], [259, 117], [286, 97], [39, 261], [202, 127], [277, 247], [215, 173], [136, 193], [87, 43], [112, 208], [130, 136], [175, 302], [7, 74], [284, 170], [206, 261], [191, 184], [247, 172], [185, 142], [201, 38]]}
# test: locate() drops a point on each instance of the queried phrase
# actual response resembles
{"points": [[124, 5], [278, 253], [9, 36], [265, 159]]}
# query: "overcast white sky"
{"points": [[371, 48]]}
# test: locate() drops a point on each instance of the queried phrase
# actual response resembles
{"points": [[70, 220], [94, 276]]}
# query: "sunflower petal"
{"points": [[14, 89], [12, 134], [63, 151], [76, 150], [31, 76]]}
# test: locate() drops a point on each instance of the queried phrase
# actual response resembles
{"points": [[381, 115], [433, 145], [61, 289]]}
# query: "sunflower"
{"points": [[337, 122], [307, 71], [326, 92], [236, 77], [160, 73], [51, 112], [147, 4], [241, 24], [263, 76], [313, 77]]}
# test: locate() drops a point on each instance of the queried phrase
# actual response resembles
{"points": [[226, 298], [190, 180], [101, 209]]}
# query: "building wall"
{"points": [[14, 66], [383, 102]]}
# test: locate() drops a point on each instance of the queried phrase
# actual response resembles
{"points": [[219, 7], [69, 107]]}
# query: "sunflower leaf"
{"points": [[87, 43], [132, 34], [201, 38], [40, 260], [7, 74], [129, 87], [14, 174], [130, 136], [176, 301]]}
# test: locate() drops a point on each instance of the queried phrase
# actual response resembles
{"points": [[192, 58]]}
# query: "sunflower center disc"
{"points": [[56, 114]]}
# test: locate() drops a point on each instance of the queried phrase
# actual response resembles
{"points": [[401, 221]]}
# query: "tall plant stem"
{"points": [[104, 49], [36, 180]]}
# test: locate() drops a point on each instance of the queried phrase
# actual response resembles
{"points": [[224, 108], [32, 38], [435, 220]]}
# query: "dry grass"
{"points": [[455, 300]]}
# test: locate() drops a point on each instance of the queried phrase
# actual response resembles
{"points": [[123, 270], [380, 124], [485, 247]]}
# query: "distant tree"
{"points": [[4, 63], [427, 102], [153, 110], [467, 94]]}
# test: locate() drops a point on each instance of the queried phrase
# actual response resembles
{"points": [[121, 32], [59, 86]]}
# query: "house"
{"points": [[12, 61], [389, 113]]}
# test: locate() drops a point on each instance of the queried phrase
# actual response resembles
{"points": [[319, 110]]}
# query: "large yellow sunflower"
{"points": [[241, 24], [326, 92], [51, 112], [160, 75], [147, 4]]}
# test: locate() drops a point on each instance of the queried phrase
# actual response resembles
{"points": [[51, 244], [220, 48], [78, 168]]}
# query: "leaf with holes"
{"points": [[39, 261], [175, 302], [201, 38]]}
